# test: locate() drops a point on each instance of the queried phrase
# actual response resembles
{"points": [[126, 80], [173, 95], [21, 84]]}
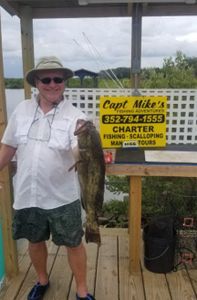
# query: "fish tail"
{"points": [[92, 235]]}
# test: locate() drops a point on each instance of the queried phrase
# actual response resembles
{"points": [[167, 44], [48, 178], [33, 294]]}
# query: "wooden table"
{"points": [[136, 172]]}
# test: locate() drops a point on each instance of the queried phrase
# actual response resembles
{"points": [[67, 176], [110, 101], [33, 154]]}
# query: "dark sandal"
{"points": [[88, 297], [38, 291]]}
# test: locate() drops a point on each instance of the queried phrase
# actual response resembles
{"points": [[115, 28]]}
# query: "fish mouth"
{"points": [[79, 126], [82, 125]]}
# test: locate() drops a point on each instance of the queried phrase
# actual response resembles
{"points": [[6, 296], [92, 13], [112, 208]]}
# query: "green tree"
{"points": [[176, 73], [192, 62], [152, 78], [14, 83]]}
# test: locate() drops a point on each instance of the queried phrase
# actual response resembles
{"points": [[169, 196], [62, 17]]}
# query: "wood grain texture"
{"points": [[108, 274]]}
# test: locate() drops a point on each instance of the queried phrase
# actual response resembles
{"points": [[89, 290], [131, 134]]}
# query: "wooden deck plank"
{"points": [[12, 287], [135, 212], [107, 270], [155, 285], [131, 286], [180, 285], [193, 277], [108, 274]]}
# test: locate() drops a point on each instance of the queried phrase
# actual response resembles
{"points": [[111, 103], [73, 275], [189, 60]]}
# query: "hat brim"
{"points": [[31, 75]]}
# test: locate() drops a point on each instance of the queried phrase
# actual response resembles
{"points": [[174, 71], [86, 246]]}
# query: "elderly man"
{"points": [[40, 133]]}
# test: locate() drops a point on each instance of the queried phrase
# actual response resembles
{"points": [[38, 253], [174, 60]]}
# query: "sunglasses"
{"points": [[47, 80]]}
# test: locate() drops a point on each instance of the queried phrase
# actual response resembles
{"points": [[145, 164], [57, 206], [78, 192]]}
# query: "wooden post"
{"points": [[6, 196], [135, 206], [136, 45], [135, 223], [27, 44]]}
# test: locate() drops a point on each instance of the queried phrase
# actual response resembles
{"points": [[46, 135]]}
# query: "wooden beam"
{"points": [[136, 45], [58, 9], [86, 2], [143, 169], [27, 44], [6, 198], [166, 10], [135, 211], [80, 12], [11, 9], [149, 10]]}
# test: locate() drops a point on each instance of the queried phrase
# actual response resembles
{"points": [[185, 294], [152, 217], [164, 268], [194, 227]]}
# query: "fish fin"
{"points": [[92, 236], [74, 166]]}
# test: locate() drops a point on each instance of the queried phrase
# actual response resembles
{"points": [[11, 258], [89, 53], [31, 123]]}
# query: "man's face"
{"points": [[51, 85]]}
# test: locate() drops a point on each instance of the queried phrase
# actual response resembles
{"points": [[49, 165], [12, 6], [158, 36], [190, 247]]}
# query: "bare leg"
{"points": [[77, 260], [38, 254]]}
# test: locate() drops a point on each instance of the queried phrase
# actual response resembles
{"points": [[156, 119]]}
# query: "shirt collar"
{"points": [[56, 107]]}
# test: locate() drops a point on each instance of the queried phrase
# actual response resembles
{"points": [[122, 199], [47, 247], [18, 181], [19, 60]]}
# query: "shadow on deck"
{"points": [[108, 275]]}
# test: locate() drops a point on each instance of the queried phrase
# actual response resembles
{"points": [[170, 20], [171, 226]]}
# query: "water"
{"points": [[13, 97]]}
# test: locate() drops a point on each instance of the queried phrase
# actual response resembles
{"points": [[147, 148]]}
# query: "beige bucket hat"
{"points": [[47, 63]]}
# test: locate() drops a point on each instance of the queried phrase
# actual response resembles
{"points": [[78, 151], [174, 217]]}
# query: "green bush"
{"points": [[160, 195], [116, 213]]}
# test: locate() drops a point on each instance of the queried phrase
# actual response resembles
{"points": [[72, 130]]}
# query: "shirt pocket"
{"points": [[59, 135], [22, 130]]}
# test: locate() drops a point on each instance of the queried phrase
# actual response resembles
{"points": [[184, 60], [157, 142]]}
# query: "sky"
{"points": [[98, 43]]}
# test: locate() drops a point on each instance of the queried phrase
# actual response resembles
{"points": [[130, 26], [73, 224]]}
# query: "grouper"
{"points": [[91, 173]]}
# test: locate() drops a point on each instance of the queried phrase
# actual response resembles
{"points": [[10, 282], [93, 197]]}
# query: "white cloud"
{"points": [[164, 36], [87, 43], [11, 38], [189, 38], [99, 43]]}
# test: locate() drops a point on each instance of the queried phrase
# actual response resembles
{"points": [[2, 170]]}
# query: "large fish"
{"points": [[91, 173]]}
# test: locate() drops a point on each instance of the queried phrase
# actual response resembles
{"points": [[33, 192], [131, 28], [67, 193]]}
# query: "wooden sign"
{"points": [[135, 121]]}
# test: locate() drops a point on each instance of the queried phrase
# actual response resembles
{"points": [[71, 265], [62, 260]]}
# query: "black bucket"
{"points": [[159, 245]]}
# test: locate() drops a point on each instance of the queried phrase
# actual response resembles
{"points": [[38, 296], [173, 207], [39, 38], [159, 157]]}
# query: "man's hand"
{"points": [[76, 153]]}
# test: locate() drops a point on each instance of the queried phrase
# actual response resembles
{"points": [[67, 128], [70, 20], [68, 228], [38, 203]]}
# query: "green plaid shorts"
{"points": [[64, 223]]}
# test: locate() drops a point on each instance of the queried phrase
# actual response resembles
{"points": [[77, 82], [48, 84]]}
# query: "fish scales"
{"points": [[91, 173]]}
